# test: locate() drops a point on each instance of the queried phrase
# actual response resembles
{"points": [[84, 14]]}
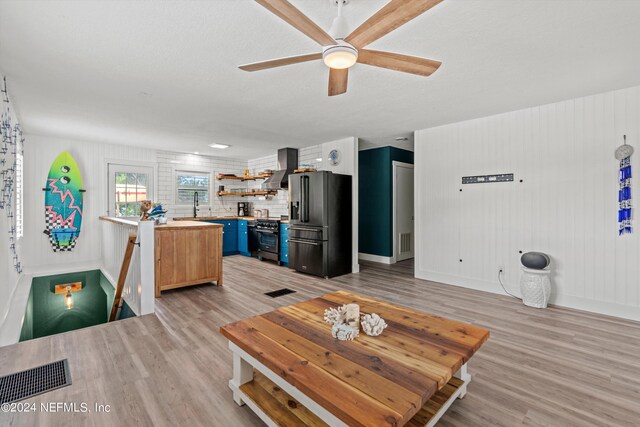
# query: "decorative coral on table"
{"points": [[344, 332], [335, 315], [373, 324], [346, 321]]}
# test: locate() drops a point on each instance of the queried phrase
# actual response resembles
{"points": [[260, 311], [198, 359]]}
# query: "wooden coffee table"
{"points": [[290, 371]]}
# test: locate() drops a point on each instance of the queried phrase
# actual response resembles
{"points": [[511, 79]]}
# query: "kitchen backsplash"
{"points": [[169, 163], [278, 205]]}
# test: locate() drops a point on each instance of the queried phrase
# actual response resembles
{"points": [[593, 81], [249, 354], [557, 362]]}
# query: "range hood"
{"points": [[287, 163]]}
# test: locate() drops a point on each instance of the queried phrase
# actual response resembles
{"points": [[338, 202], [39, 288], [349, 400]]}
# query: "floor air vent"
{"points": [[279, 293], [34, 381]]}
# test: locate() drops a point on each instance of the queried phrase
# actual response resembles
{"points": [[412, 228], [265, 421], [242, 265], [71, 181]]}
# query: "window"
{"points": [[131, 189], [19, 189], [128, 186], [188, 183]]}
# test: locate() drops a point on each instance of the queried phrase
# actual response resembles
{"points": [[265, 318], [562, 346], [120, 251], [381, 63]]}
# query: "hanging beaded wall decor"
{"points": [[10, 146], [623, 154]]}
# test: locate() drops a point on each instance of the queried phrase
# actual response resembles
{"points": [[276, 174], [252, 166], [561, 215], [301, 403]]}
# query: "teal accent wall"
{"points": [[375, 216]]}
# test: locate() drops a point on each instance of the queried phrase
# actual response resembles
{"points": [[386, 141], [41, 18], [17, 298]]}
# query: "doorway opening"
{"points": [[403, 211], [386, 199]]}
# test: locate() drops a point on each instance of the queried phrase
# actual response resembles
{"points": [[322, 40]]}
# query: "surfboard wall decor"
{"points": [[63, 203]]}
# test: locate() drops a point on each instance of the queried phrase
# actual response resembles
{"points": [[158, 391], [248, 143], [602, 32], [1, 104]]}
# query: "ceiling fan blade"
{"points": [[338, 81], [398, 62], [391, 16], [256, 66], [294, 17]]}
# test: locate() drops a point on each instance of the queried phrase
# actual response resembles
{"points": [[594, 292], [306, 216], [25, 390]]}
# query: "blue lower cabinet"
{"points": [[243, 238], [230, 243], [229, 236], [284, 243]]}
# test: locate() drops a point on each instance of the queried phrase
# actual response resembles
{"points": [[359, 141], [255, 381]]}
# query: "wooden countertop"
{"points": [[120, 221], [183, 223], [223, 218], [186, 224]]}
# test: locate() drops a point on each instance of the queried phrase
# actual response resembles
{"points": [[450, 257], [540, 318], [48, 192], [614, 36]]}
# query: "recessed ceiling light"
{"points": [[219, 146], [401, 138], [319, 159], [196, 152]]}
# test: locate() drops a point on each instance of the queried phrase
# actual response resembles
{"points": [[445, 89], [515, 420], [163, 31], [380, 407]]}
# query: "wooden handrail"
{"points": [[119, 221], [124, 269]]}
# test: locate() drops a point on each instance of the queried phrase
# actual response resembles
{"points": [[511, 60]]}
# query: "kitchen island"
{"points": [[184, 253], [187, 253]]}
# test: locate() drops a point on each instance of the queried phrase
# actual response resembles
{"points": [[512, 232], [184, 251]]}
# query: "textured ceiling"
{"points": [[164, 74]]}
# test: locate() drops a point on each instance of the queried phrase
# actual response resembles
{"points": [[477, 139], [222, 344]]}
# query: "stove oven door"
{"points": [[268, 241]]}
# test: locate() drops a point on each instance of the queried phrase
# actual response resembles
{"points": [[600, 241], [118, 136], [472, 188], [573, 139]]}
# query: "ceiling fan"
{"points": [[340, 51]]}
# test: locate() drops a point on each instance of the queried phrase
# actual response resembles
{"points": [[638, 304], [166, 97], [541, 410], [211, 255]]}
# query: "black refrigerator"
{"points": [[320, 235]]}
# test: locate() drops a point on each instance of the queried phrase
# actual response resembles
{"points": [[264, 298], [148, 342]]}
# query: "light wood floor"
{"points": [[554, 367]]}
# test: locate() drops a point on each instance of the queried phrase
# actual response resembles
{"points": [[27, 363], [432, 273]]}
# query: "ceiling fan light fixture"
{"points": [[340, 56]]}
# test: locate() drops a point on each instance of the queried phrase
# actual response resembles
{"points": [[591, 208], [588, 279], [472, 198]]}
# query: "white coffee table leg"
{"points": [[242, 374], [464, 376]]}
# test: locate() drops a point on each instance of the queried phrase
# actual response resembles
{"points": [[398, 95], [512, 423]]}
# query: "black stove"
{"points": [[268, 239], [267, 224]]}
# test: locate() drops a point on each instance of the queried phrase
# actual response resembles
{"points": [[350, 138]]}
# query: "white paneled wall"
{"points": [[566, 204], [39, 153]]}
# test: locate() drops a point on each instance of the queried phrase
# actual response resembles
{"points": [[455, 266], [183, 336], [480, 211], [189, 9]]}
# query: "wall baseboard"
{"points": [[376, 258], [578, 303]]}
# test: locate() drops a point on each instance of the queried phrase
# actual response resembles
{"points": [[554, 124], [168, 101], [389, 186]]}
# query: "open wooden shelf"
{"points": [[246, 193], [436, 403], [284, 410], [243, 178]]}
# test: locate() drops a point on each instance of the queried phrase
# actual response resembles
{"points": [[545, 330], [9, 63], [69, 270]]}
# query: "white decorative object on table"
{"points": [[345, 321], [373, 324], [335, 316], [352, 316], [535, 287], [344, 332]]}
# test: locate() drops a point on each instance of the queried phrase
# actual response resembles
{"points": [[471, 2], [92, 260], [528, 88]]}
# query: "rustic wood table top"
{"points": [[370, 381]]}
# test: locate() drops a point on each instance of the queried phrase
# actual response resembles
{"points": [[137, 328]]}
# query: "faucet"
{"points": [[195, 204]]}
